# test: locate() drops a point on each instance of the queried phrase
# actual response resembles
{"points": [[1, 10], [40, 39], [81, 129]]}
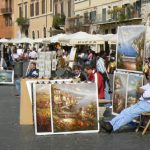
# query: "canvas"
{"points": [[64, 108], [130, 48], [119, 92], [134, 82], [74, 107], [42, 109], [6, 76]]}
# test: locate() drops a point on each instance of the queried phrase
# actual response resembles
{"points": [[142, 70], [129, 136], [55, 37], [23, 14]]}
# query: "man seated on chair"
{"points": [[128, 114], [33, 72]]}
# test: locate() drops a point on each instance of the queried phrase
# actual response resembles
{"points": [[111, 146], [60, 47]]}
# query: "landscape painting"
{"points": [[134, 82], [42, 109], [6, 76], [130, 48], [119, 92], [75, 108]]}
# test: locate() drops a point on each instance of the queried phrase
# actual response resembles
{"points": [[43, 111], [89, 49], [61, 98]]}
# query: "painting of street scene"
{"points": [[134, 82], [42, 109], [130, 48], [6, 76], [75, 107], [119, 92]]}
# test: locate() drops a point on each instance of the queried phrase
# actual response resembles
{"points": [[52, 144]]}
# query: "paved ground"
{"points": [[16, 137]]}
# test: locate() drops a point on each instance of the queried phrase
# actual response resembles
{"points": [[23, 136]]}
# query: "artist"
{"points": [[128, 114]]}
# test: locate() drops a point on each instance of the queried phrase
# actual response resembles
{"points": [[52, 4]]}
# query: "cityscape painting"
{"points": [[6, 76]]}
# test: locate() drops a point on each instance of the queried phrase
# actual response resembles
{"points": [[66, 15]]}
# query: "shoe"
{"points": [[17, 95], [106, 126]]}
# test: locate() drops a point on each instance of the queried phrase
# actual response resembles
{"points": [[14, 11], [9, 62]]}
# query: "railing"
{"points": [[6, 10]]}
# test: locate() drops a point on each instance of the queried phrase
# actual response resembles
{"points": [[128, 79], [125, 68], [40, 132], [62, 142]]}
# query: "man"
{"points": [[128, 114], [92, 75], [100, 66], [32, 73], [79, 74]]}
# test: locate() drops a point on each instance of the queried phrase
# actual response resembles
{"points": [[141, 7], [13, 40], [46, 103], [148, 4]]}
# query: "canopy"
{"points": [[81, 38], [4, 40]]}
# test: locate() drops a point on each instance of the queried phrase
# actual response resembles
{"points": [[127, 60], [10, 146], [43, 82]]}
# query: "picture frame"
{"points": [[6, 76]]}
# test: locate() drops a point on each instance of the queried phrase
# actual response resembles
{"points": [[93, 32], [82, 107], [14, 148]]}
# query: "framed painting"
{"points": [[119, 92], [130, 48], [6, 77], [42, 109], [134, 82], [75, 108]]}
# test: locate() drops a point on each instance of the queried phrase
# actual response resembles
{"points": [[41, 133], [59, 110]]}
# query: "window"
{"points": [[32, 9], [62, 8], [25, 9], [20, 11], [69, 8], [51, 5], [104, 14], [93, 16], [43, 6], [37, 8], [38, 34], [44, 32], [33, 34], [56, 9]]}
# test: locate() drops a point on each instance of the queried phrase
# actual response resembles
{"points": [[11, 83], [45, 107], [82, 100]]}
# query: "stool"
{"points": [[142, 118]]}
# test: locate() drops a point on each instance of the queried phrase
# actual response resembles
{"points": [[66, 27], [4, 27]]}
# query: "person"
{"points": [[100, 66], [78, 73], [59, 50], [128, 114], [91, 77], [33, 72], [33, 54]]}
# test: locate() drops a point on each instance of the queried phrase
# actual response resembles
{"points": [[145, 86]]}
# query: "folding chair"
{"points": [[142, 121]]}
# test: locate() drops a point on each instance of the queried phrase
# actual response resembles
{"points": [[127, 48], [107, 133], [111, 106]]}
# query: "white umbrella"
{"points": [[39, 40], [4, 40], [81, 38], [24, 40], [55, 38]]}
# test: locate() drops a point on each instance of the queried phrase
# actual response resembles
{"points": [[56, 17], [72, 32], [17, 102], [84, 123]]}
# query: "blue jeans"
{"points": [[106, 90], [17, 84], [128, 114]]}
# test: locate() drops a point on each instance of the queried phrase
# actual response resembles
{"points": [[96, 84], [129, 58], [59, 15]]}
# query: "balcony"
{"points": [[6, 11]]}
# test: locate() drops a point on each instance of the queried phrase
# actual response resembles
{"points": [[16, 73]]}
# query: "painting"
{"points": [[42, 109], [130, 48], [6, 76], [119, 92], [75, 108], [134, 82]]}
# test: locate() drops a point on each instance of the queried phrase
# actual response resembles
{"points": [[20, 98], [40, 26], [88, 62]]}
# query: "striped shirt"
{"points": [[100, 65]]}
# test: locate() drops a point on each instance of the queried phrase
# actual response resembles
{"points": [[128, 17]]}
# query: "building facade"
{"points": [[36, 18], [104, 16], [6, 18]]}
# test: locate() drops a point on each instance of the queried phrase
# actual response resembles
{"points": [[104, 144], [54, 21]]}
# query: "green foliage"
{"points": [[58, 20], [21, 21]]}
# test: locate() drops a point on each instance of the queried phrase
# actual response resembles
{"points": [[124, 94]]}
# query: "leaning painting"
{"points": [[6, 76], [42, 109], [74, 107], [65, 108], [134, 82], [119, 91], [130, 48]]}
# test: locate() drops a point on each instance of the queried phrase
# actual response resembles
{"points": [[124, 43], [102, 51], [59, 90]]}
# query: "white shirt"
{"points": [[33, 54], [146, 94]]}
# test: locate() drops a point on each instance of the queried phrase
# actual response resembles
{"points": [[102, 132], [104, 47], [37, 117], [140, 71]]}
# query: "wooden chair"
{"points": [[142, 121]]}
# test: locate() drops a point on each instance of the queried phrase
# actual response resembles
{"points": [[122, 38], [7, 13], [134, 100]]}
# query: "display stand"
{"points": [[25, 104]]}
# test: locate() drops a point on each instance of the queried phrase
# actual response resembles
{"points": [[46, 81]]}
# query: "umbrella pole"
{"points": [[2, 57]]}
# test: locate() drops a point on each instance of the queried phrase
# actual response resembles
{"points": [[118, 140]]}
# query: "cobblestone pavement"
{"points": [[16, 137]]}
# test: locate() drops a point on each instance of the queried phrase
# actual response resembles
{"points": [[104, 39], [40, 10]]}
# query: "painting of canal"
{"points": [[130, 47], [75, 107]]}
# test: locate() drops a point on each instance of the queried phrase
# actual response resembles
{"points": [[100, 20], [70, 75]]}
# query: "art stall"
{"points": [[128, 76]]}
